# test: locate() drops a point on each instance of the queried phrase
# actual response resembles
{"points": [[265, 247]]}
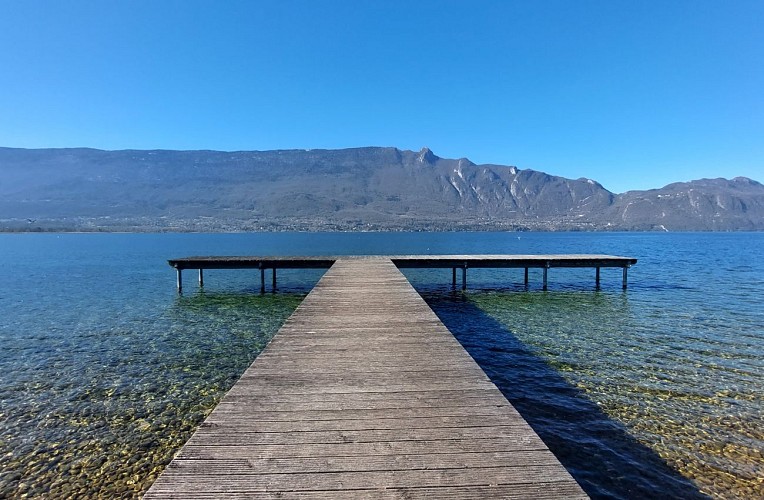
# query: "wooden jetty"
{"points": [[364, 393], [454, 262]]}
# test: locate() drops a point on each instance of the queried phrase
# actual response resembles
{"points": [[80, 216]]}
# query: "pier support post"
{"points": [[597, 279], [546, 269], [274, 280], [625, 277], [526, 277], [262, 279], [180, 279], [201, 278], [464, 277], [453, 277]]}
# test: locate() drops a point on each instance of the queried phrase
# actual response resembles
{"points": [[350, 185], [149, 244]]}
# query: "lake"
{"points": [[657, 391]]}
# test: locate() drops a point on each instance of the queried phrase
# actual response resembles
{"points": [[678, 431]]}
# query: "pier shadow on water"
{"points": [[598, 451]]}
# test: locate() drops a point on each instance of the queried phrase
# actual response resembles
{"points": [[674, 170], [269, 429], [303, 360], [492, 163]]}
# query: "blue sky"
{"points": [[632, 94]]}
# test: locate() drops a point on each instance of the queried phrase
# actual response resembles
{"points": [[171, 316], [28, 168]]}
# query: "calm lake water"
{"points": [[653, 392]]}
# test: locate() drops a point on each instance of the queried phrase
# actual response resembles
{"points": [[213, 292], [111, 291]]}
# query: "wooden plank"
{"points": [[354, 480], [385, 402], [514, 433], [234, 407], [356, 449], [405, 261], [223, 464], [364, 392], [543, 490], [382, 396]]}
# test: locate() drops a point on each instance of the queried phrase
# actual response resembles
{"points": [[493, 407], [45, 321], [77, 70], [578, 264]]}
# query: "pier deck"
{"points": [[462, 262], [364, 393]]}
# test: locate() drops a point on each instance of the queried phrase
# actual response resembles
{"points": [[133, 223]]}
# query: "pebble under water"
{"points": [[631, 411], [115, 403]]}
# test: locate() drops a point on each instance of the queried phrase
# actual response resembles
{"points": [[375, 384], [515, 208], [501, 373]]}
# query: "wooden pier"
{"points": [[364, 393], [454, 262]]}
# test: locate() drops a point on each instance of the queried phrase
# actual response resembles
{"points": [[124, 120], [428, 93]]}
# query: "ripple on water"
{"points": [[682, 384], [118, 400], [103, 379]]}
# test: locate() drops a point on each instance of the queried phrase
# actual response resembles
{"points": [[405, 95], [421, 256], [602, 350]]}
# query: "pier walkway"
{"points": [[363, 392]]}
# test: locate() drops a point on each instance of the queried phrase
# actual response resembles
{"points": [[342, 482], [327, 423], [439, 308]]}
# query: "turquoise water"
{"points": [[653, 392]]}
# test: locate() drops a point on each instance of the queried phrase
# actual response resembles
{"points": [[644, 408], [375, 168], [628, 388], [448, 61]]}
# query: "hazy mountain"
{"points": [[380, 188], [705, 204]]}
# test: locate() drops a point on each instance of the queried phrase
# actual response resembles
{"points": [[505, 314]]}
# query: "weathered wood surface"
{"points": [[251, 262], [364, 393], [407, 261]]}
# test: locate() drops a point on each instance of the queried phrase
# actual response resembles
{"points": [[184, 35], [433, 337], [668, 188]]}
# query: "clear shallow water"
{"points": [[652, 392]]}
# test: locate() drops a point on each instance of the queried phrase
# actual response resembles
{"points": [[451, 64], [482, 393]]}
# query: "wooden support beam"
{"points": [[464, 277], [526, 277], [262, 279], [201, 277], [546, 270], [597, 279], [180, 280], [453, 277], [273, 285], [625, 277]]}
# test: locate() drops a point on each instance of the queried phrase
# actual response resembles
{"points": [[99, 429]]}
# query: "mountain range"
{"points": [[370, 188]]}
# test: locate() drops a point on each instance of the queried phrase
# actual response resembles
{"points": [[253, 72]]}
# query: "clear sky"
{"points": [[634, 94]]}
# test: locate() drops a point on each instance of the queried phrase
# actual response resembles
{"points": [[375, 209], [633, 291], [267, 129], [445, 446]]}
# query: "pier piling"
{"points": [[597, 279], [546, 269]]}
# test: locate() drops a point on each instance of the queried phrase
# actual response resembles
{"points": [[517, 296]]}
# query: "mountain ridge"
{"points": [[382, 188]]}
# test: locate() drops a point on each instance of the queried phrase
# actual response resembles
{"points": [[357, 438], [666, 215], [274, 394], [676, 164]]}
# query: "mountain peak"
{"points": [[746, 181], [426, 156]]}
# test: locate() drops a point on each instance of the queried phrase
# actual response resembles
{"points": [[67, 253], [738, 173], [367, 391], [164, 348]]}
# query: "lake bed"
{"points": [[653, 391]]}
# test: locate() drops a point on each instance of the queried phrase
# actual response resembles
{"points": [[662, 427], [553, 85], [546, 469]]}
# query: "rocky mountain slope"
{"points": [[705, 204], [362, 188]]}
